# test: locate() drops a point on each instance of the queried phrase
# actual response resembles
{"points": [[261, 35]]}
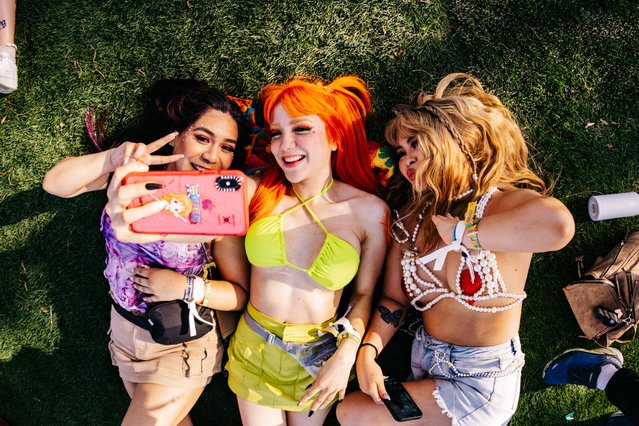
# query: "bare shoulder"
{"points": [[363, 205], [252, 182]]}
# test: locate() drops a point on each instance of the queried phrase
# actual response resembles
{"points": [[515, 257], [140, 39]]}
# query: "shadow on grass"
{"points": [[55, 313]]}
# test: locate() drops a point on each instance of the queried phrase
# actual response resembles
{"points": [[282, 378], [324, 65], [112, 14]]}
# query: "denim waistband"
{"points": [[440, 359], [512, 346]]}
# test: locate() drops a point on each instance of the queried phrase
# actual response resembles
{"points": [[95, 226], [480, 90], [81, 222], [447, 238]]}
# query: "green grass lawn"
{"points": [[566, 68]]}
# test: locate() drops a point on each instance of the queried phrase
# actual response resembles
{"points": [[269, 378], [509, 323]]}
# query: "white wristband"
{"points": [[198, 289]]}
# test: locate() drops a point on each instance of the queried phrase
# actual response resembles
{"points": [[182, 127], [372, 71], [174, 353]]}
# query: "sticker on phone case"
{"points": [[194, 196], [179, 205], [183, 206], [228, 183]]}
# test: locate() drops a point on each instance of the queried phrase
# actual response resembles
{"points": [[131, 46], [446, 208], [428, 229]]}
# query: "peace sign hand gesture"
{"points": [[141, 152]]}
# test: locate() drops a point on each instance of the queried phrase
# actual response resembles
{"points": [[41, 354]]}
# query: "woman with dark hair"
{"points": [[206, 131]]}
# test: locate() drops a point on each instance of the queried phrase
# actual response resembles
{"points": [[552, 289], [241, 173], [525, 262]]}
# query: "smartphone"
{"points": [[401, 404], [208, 202]]}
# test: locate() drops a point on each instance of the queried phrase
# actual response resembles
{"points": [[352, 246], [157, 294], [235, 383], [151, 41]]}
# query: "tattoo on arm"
{"points": [[389, 317]]}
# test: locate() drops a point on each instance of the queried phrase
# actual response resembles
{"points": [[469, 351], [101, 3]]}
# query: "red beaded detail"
{"points": [[469, 287]]}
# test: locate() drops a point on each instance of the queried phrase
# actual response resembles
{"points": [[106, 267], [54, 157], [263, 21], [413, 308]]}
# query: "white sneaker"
{"points": [[8, 73]]}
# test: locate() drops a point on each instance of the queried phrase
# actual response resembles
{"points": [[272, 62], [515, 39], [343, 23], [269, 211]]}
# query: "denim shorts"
{"points": [[475, 385]]}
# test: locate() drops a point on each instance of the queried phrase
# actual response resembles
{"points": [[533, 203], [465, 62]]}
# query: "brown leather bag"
{"points": [[606, 299]]}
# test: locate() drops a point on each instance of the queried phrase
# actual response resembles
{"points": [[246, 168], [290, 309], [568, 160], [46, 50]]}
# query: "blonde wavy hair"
{"points": [[469, 140]]}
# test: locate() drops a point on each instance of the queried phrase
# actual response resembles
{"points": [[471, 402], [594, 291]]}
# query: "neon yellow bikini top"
{"points": [[335, 265]]}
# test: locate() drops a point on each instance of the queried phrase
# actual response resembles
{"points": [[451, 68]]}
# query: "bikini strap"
{"points": [[304, 203], [319, 194]]}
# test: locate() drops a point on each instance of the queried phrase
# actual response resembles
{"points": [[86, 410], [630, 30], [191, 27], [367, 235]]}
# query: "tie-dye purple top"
{"points": [[122, 257]]}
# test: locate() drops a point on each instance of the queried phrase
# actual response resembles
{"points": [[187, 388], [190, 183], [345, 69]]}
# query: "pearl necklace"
{"points": [[400, 225], [484, 263]]}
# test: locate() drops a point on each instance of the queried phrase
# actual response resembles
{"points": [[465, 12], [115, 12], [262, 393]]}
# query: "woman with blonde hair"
{"points": [[316, 226], [463, 239]]}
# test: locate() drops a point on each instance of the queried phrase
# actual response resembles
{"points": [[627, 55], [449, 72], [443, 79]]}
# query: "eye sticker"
{"points": [[228, 183]]}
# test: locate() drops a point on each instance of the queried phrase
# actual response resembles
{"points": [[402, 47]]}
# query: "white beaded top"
{"points": [[482, 262]]}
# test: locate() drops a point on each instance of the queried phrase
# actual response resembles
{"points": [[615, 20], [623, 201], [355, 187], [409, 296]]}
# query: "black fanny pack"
{"points": [[168, 322]]}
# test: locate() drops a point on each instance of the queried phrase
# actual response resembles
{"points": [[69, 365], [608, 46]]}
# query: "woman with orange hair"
{"points": [[316, 226]]}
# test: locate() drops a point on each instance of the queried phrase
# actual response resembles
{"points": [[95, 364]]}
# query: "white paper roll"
{"points": [[613, 206]]}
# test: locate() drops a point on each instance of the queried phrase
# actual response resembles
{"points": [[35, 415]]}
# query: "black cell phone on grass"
{"points": [[401, 404]]}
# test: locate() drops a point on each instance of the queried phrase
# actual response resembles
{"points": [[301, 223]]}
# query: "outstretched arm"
{"points": [[77, 175], [521, 221]]}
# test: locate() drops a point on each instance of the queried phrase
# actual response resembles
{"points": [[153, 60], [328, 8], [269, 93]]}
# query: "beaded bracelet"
{"points": [[188, 290], [474, 237], [372, 346]]}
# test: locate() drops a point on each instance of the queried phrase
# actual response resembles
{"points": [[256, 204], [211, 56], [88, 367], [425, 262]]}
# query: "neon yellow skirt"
{"points": [[264, 374]]}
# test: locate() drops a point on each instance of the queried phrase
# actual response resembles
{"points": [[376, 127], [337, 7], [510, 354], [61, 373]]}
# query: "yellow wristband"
{"points": [[207, 292], [347, 335]]}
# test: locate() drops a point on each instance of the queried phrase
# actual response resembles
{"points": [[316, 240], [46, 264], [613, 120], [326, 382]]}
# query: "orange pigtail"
{"points": [[352, 163]]}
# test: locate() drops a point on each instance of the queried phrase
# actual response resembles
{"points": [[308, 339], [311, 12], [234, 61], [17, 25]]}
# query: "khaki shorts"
{"points": [[139, 359]]}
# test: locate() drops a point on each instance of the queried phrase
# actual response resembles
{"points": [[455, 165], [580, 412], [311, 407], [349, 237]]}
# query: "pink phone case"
{"points": [[212, 202]]}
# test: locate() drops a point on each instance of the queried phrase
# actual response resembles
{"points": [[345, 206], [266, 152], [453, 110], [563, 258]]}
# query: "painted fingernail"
{"points": [[310, 413], [386, 397], [151, 186]]}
